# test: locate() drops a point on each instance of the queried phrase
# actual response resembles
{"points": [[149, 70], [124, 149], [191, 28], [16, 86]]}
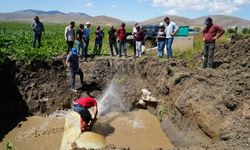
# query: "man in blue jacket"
{"points": [[73, 64]]}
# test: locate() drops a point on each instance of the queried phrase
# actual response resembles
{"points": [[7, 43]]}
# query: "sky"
{"points": [[135, 10]]}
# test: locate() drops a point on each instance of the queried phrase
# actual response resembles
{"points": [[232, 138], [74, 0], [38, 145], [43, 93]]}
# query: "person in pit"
{"points": [[82, 106]]}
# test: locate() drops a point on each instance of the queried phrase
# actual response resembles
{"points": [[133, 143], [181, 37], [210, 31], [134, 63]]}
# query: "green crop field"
{"points": [[16, 41]]}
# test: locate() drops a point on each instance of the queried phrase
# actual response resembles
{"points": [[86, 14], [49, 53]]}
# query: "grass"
{"points": [[162, 110], [118, 81], [10, 146], [189, 54], [16, 41]]}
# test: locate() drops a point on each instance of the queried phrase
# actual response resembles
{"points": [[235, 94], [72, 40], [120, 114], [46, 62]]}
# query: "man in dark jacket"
{"points": [[73, 64], [99, 35], [37, 28], [112, 40], [139, 38]]}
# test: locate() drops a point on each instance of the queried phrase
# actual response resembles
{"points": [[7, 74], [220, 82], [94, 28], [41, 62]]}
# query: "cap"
{"points": [[88, 23], [161, 24], [74, 51], [208, 20], [36, 18]]}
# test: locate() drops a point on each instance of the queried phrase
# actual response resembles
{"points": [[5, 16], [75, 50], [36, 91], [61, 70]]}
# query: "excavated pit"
{"points": [[198, 108]]}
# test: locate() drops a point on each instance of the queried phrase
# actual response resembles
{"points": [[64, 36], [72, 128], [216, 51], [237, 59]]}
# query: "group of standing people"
{"points": [[211, 33], [165, 37], [81, 36]]}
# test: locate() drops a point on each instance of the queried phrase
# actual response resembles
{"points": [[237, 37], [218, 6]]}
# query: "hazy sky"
{"points": [[137, 10]]}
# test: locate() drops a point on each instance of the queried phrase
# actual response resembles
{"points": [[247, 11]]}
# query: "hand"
{"points": [[203, 39], [172, 34], [214, 38]]}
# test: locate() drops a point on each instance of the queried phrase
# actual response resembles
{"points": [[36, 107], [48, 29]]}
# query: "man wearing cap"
{"points": [[81, 106], [86, 36], [69, 35], [211, 32], [73, 64], [161, 35], [37, 28]]}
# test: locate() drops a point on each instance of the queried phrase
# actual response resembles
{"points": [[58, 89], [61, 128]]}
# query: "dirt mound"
{"points": [[234, 55], [212, 106]]}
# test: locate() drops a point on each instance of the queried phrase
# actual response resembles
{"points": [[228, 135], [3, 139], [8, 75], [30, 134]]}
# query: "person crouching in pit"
{"points": [[81, 106]]}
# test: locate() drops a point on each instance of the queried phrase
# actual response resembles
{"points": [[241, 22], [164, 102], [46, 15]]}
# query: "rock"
{"points": [[164, 90], [147, 96], [227, 136], [142, 103], [226, 46], [179, 77], [231, 105]]}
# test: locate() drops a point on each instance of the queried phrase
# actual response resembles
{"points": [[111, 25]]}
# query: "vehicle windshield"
{"points": [[152, 29]]}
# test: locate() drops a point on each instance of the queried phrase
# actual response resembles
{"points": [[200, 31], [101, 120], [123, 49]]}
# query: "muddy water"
{"points": [[36, 133], [137, 130]]}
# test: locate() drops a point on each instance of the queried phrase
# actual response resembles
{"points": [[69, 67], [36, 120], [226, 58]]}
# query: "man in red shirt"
{"points": [[81, 106], [211, 32], [121, 34]]}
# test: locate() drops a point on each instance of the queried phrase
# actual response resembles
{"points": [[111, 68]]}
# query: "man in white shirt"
{"points": [[170, 29], [69, 35], [134, 34]]}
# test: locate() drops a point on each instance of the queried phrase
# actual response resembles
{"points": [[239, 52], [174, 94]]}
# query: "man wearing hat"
{"points": [[37, 28], [211, 32], [73, 64], [86, 36]]}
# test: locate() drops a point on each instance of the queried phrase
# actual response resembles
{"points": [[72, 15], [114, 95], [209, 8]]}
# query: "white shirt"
{"points": [[171, 28], [69, 34], [134, 31]]}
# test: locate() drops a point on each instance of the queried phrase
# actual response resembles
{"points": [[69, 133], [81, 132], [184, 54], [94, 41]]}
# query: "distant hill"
{"points": [[177, 19], [55, 16], [222, 20]]}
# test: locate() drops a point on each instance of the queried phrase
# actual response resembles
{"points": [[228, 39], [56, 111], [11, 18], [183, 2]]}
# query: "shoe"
{"points": [[74, 90]]}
